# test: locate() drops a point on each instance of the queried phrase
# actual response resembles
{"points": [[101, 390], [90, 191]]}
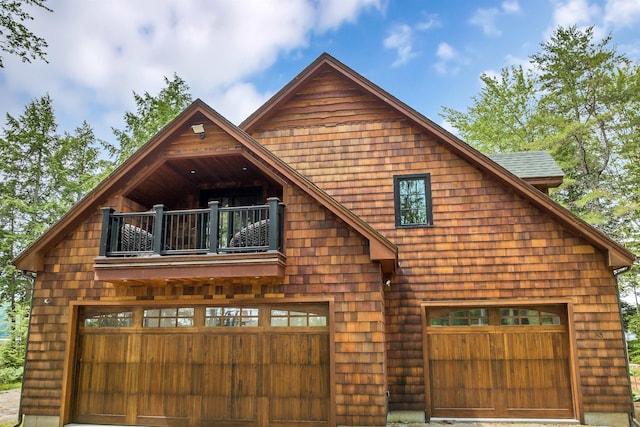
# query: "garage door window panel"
{"points": [[527, 316], [297, 317], [232, 317], [471, 317], [108, 318], [170, 317]]}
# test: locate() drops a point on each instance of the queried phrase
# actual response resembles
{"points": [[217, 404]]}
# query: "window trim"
{"points": [[397, 179]]}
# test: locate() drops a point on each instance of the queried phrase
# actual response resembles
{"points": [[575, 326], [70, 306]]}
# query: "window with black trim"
{"points": [[412, 198]]}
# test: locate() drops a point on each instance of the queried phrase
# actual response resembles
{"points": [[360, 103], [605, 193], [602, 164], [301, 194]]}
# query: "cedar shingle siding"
{"points": [[492, 241]]}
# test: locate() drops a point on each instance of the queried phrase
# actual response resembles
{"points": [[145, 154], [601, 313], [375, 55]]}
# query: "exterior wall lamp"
{"points": [[198, 130]]}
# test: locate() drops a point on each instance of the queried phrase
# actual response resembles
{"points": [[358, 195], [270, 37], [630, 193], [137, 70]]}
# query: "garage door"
{"points": [[203, 365], [498, 362]]}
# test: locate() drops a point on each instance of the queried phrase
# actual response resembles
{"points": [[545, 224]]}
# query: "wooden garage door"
{"points": [[499, 362], [203, 365]]}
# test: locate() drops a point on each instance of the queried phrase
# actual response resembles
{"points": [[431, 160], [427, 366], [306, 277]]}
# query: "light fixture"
{"points": [[198, 130]]}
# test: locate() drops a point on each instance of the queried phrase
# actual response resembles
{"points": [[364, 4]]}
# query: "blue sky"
{"points": [[235, 54]]}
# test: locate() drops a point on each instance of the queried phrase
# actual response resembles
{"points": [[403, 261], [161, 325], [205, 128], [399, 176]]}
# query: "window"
{"points": [[119, 319], [529, 316], [299, 316], [173, 317], [412, 194], [231, 316], [473, 317], [515, 316]]}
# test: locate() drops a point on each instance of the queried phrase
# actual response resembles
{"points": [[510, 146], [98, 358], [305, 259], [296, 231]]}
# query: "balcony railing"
{"points": [[197, 231]]}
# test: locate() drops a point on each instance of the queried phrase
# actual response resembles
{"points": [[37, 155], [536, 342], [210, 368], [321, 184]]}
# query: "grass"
{"points": [[9, 386]]}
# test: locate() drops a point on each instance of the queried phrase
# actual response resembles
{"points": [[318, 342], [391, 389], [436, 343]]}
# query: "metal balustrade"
{"points": [[194, 231]]}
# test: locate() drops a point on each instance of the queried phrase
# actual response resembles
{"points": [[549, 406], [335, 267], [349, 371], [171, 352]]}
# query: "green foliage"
{"points": [[503, 116], [41, 175], [12, 351], [634, 353], [15, 37], [152, 114]]}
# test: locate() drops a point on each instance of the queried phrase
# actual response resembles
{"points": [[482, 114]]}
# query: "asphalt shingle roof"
{"points": [[528, 164]]}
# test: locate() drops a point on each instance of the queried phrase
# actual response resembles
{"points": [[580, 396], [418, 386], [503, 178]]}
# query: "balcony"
{"points": [[195, 244]]}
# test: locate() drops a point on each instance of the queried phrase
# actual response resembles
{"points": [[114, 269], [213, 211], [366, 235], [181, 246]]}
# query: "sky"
{"points": [[235, 54]]}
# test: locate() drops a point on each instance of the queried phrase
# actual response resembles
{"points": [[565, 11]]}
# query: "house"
{"points": [[337, 259]]}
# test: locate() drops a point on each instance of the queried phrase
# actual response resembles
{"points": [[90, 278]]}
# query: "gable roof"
{"points": [[381, 249], [616, 255]]}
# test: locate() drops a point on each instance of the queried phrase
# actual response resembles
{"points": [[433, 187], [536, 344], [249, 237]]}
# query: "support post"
{"points": [[213, 227], [274, 223], [105, 233], [157, 228]]}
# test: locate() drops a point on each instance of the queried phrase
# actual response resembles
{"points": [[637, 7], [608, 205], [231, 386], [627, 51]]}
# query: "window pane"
{"points": [[232, 317], [412, 198], [279, 321], [169, 317], [185, 322], [168, 312], [412, 202], [524, 317], [314, 316], [167, 323], [98, 318], [473, 317], [151, 323], [91, 323], [317, 321], [152, 313], [185, 312], [213, 321]]}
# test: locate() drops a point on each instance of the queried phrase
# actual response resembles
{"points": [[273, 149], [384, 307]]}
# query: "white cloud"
{"points": [[486, 19], [622, 13], [446, 51], [449, 61], [333, 13], [430, 22], [99, 52], [511, 6], [400, 39], [574, 12], [238, 101]]}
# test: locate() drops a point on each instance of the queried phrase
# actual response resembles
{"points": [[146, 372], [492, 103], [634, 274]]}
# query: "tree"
{"points": [[152, 114], [580, 102], [503, 116], [41, 175], [81, 164], [15, 37]]}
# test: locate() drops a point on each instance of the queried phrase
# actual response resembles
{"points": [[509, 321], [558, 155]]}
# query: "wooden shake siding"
{"points": [[488, 243], [325, 258], [67, 276]]}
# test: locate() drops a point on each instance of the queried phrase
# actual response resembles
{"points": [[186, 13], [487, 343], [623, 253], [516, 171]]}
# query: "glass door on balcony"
{"points": [[232, 223]]}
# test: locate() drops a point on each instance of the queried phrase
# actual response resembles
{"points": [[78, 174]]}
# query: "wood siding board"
{"points": [[510, 248]]}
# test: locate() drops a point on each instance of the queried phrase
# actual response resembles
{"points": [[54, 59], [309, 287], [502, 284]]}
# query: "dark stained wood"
{"points": [[488, 242], [299, 372], [500, 371], [491, 241], [260, 376]]}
